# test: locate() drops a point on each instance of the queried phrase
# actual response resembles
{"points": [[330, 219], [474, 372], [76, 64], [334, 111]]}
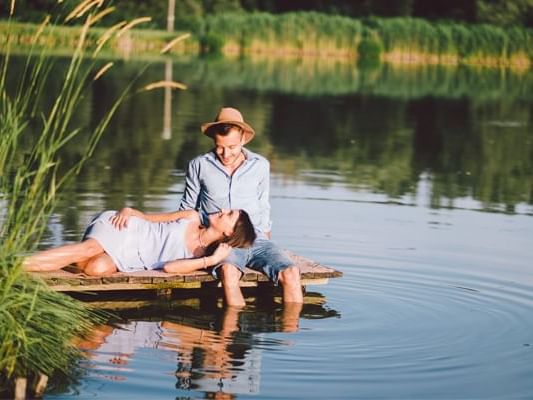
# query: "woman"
{"points": [[129, 241]]}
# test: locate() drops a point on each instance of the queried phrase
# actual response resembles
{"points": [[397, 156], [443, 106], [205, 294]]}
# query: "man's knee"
{"points": [[290, 275], [230, 274]]}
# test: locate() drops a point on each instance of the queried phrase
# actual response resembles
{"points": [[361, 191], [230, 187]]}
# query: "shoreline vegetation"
{"points": [[398, 40], [37, 325]]}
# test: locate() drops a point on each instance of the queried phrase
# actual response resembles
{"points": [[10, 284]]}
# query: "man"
{"points": [[231, 176]]}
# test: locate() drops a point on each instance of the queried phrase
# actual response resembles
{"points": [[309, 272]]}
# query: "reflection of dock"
{"points": [[73, 281]]}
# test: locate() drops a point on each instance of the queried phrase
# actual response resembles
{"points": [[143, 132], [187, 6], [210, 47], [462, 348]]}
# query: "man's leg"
{"points": [[230, 277], [270, 259], [291, 284], [291, 316]]}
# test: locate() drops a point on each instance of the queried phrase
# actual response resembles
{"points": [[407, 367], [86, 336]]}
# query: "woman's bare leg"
{"points": [[100, 265], [59, 257]]}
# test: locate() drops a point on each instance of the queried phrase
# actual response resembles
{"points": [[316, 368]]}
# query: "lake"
{"points": [[415, 182]]}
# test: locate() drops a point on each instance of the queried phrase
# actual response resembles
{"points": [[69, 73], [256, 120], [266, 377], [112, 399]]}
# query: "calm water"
{"points": [[416, 183]]}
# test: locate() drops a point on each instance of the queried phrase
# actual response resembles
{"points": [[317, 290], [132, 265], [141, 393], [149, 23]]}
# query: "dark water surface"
{"points": [[416, 183]]}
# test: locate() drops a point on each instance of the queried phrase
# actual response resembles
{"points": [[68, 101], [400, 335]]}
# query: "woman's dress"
{"points": [[142, 245]]}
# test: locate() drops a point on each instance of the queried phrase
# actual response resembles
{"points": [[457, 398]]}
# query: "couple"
{"points": [[223, 221]]}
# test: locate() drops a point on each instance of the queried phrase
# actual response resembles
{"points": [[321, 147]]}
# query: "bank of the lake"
{"points": [[311, 34], [37, 325], [64, 39]]}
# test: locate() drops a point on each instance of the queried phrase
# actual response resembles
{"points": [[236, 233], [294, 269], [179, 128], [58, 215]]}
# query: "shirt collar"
{"points": [[249, 155]]}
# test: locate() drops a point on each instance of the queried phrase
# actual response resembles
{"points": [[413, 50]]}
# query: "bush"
{"points": [[369, 50]]}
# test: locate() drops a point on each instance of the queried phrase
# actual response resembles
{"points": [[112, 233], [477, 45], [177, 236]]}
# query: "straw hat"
{"points": [[228, 115]]}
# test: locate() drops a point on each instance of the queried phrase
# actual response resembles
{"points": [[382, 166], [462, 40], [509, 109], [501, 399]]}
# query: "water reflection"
{"points": [[466, 131], [217, 350], [433, 295], [167, 108]]}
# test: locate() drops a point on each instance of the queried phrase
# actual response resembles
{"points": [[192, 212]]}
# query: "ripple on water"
{"points": [[401, 324]]}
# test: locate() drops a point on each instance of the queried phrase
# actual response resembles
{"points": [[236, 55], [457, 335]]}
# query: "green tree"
{"points": [[505, 12], [221, 6]]}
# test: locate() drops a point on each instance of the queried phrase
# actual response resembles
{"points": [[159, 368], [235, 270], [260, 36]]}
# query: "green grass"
{"points": [[136, 42]]}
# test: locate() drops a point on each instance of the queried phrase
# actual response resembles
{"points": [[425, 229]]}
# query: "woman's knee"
{"points": [[92, 247], [99, 266]]}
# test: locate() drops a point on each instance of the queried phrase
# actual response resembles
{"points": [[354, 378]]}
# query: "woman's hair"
{"points": [[243, 234]]}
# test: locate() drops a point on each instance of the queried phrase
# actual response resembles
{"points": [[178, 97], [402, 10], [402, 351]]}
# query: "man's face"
{"points": [[228, 148]]}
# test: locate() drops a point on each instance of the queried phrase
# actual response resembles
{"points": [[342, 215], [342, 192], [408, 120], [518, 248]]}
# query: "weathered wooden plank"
{"points": [[140, 279], [73, 280], [128, 286]]}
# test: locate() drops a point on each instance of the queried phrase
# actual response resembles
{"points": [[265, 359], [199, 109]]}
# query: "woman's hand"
{"points": [[120, 219], [221, 252]]}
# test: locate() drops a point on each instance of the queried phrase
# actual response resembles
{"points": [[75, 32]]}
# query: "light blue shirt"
{"points": [[209, 188]]}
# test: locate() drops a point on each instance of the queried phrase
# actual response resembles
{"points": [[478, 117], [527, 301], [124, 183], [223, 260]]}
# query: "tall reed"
{"points": [[460, 43], [413, 39], [322, 35], [36, 324], [290, 33]]}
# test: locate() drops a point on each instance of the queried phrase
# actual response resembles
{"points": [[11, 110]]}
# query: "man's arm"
{"points": [[263, 197], [189, 200]]}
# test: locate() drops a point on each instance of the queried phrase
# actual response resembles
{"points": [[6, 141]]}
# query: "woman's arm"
{"points": [[186, 265], [120, 219]]}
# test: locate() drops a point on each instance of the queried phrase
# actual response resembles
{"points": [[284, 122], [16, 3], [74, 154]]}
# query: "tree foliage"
{"points": [[498, 12]]}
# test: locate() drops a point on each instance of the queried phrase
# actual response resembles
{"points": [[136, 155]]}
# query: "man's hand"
{"points": [[120, 219]]}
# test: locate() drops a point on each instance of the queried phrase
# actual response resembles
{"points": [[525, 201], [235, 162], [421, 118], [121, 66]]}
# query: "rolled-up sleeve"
{"points": [[263, 196], [191, 193]]}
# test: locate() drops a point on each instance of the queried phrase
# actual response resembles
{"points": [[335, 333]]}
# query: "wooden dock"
{"points": [[71, 280]]}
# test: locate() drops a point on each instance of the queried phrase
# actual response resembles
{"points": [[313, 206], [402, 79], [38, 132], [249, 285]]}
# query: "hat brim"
{"points": [[248, 131]]}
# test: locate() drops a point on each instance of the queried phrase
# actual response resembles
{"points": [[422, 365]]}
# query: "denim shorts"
{"points": [[264, 256]]}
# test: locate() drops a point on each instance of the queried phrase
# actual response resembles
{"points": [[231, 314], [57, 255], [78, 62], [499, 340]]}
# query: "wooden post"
{"points": [[167, 106], [167, 109], [42, 381], [170, 15], [20, 388]]}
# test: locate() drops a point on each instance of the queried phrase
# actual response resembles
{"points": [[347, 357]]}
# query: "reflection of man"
{"points": [[219, 350], [230, 361], [231, 176]]}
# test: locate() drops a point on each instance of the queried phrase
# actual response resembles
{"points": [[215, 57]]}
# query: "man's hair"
{"points": [[243, 234], [222, 129]]}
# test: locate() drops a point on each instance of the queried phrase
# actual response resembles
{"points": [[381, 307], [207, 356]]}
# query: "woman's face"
{"points": [[224, 220]]}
